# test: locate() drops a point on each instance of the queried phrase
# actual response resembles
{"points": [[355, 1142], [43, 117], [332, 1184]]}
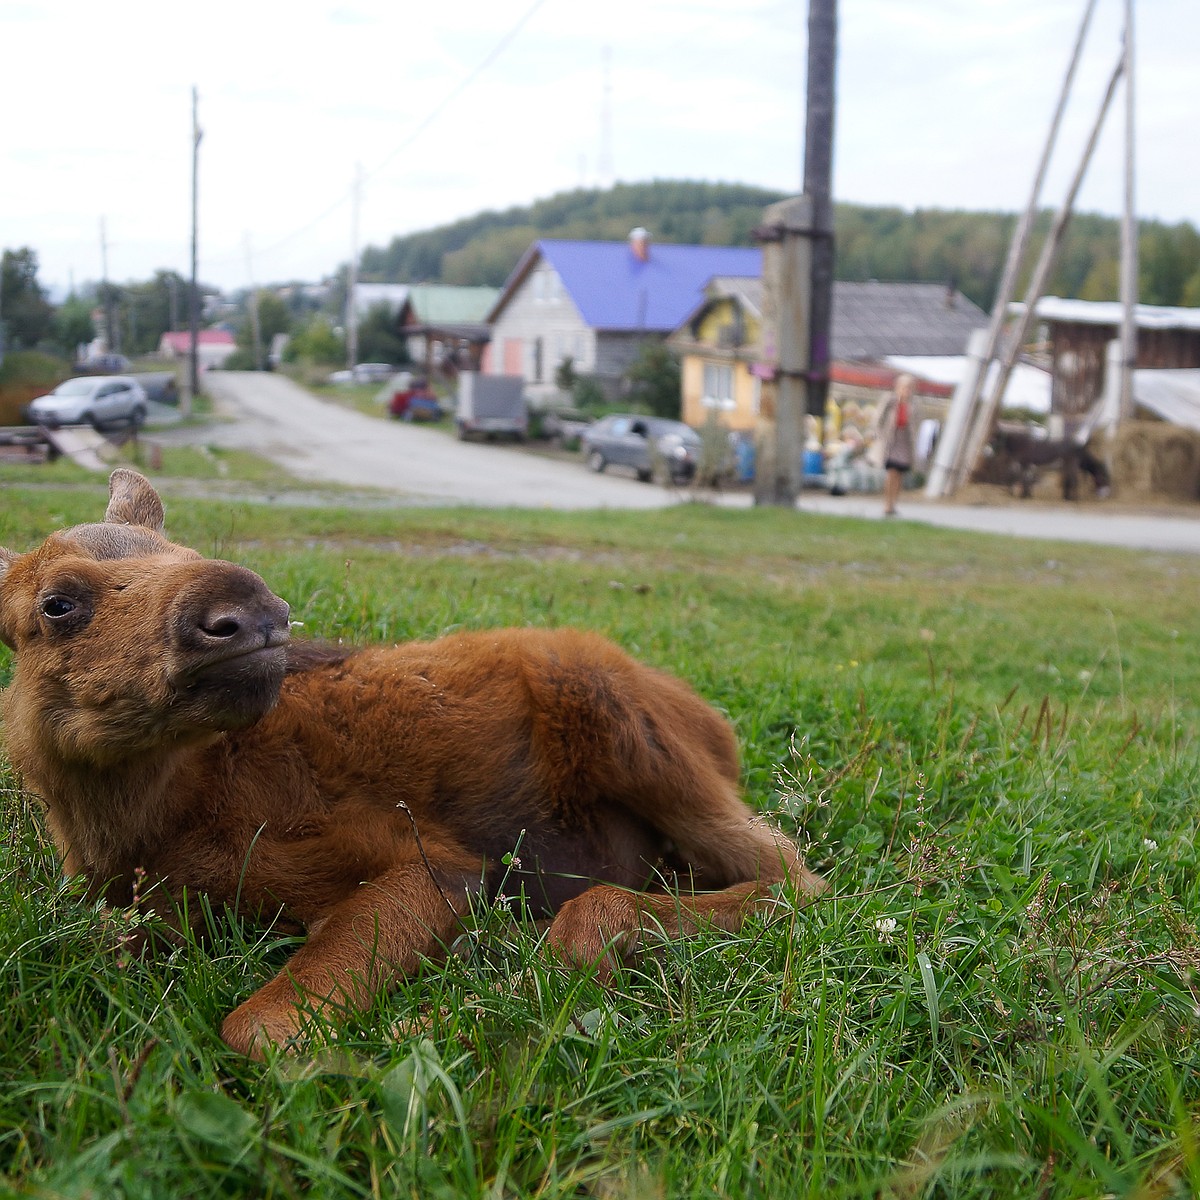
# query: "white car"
{"points": [[93, 400]]}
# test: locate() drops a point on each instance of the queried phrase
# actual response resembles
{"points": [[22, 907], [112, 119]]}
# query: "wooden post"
{"points": [[818, 183], [985, 415], [1129, 237], [786, 235], [352, 278], [949, 475]]}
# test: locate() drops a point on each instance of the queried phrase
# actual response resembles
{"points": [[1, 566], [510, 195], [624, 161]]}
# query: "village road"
{"points": [[319, 441], [323, 442]]}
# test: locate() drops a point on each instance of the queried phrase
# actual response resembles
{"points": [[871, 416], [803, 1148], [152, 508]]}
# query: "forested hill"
{"points": [[934, 245]]}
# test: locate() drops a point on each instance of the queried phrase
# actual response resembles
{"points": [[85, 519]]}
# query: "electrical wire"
{"points": [[424, 124]]}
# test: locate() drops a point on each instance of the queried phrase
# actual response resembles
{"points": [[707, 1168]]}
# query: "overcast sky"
{"points": [[489, 103]]}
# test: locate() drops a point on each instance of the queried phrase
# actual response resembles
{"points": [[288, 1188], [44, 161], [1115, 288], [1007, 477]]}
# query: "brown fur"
{"points": [[160, 712]]}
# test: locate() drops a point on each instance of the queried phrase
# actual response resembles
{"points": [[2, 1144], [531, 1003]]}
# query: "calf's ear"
{"points": [[7, 557], [133, 501]]}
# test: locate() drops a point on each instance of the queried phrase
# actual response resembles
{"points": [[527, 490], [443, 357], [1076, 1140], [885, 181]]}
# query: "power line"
{"points": [[455, 92]]}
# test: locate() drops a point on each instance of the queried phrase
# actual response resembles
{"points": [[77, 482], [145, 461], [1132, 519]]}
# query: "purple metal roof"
{"points": [[614, 289]]}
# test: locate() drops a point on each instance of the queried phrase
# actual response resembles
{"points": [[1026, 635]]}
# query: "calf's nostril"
{"points": [[222, 627]]}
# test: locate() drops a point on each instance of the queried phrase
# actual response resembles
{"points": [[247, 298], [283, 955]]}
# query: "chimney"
{"points": [[639, 243], [951, 291]]}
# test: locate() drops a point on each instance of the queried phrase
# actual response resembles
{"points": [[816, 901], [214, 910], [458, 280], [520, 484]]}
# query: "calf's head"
{"points": [[125, 641]]}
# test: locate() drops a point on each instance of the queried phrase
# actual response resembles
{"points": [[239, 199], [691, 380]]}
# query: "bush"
{"points": [[25, 375], [587, 393]]}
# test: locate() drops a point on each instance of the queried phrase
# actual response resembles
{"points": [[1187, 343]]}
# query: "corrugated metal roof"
{"points": [[444, 304], [1109, 312], [873, 319], [1173, 395], [615, 290], [368, 295]]}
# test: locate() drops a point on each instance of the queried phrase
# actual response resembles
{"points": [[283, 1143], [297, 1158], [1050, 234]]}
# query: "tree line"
{"points": [[872, 241]]}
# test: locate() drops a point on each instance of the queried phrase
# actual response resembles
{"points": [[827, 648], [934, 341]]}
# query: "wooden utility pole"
{"points": [[1129, 237], [193, 387], [352, 275], [786, 235], [818, 183], [797, 240], [984, 417], [947, 471], [255, 326], [112, 339]]}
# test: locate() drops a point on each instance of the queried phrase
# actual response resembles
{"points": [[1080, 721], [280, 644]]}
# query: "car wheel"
{"points": [[644, 474], [138, 417], [92, 420], [595, 461]]}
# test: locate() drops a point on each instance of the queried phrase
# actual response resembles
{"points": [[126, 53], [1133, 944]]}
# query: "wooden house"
{"points": [[596, 303], [445, 326], [719, 344]]}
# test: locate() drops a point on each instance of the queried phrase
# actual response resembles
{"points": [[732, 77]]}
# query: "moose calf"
{"points": [[179, 740]]}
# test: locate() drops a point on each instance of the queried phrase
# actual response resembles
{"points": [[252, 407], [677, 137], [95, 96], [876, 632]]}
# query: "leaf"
{"points": [[931, 993], [215, 1119]]}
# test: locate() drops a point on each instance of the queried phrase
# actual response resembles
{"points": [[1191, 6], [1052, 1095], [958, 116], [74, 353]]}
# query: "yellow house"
{"points": [[717, 347]]}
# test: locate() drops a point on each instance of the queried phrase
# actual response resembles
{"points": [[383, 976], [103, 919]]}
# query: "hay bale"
{"points": [[1153, 459]]}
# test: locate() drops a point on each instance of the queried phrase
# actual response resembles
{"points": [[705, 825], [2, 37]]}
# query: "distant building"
{"points": [[1080, 331], [213, 346], [720, 346], [596, 302], [446, 327]]}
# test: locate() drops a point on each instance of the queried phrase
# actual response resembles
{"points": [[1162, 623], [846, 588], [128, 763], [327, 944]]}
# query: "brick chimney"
{"points": [[639, 243]]}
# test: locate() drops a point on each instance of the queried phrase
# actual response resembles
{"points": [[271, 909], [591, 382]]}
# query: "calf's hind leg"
{"points": [[727, 845]]}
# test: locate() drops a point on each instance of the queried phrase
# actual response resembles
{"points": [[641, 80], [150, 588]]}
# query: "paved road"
{"points": [[318, 441]]}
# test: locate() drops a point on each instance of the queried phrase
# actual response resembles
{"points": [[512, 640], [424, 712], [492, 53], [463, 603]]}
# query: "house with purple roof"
{"points": [[596, 303]]}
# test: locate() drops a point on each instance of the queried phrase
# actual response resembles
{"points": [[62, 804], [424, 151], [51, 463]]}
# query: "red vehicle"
{"points": [[415, 403]]}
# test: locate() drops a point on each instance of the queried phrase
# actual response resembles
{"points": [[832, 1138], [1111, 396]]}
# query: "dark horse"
{"points": [[1021, 455]]}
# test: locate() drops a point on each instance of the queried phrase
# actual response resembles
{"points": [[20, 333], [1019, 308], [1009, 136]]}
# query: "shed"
{"points": [[1079, 332]]}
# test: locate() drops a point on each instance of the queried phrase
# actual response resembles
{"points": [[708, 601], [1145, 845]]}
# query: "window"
{"points": [[718, 386]]}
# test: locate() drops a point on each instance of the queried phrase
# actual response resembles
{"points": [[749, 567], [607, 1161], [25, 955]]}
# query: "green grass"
{"points": [[989, 746]]}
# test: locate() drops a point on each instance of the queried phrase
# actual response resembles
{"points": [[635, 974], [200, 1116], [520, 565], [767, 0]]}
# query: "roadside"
{"points": [[397, 463]]}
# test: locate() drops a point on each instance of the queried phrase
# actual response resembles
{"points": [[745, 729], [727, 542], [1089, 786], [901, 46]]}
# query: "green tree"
{"points": [[378, 339], [26, 316], [73, 326], [654, 380], [274, 317], [318, 342]]}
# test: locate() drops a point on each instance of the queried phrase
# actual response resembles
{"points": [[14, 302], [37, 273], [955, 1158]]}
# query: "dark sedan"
{"points": [[654, 447]]}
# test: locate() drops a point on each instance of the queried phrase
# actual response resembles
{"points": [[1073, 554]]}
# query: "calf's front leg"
{"points": [[364, 943]]}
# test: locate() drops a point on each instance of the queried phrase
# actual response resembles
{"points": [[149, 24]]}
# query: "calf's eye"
{"points": [[57, 607]]}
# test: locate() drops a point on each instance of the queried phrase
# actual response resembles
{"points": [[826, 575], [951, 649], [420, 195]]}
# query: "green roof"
{"points": [[441, 304]]}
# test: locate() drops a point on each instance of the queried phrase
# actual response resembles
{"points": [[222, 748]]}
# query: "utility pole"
{"points": [[818, 183], [1129, 237], [604, 158], [352, 277], [255, 327], [946, 473], [112, 339], [193, 387], [798, 258], [981, 429]]}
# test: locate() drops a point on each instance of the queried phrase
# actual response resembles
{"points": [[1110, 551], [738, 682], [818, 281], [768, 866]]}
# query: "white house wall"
{"points": [[541, 309]]}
